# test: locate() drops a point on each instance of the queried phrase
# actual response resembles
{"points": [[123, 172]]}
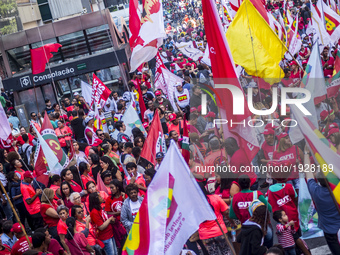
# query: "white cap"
{"points": [[178, 84], [76, 94]]}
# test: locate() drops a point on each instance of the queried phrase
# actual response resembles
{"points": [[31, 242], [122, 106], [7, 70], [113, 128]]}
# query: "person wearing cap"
{"points": [[143, 78], [182, 98], [31, 200], [21, 245], [253, 230], [333, 136], [296, 73], [239, 160], [176, 124], [304, 52], [327, 62], [160, 100], [159, 159], [267, 150], [287, 151]]}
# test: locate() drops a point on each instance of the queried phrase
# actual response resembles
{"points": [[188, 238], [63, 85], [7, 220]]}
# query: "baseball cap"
{"points": [[305, 62], [172, 64], [159, 155], [293, 63], [175, 59], [325, 113], [158, 93], [145, 124], [282, 135], [211, 115], [189, 59], [172, 116], [199, 108], [193, 109], [28, 174], [178, 84], [75, 94], [87, 119], [268, 131], [160, 48], [269, 126], [139, 73], [180, 54], [256, 203], [332, 131], [16, 228]]}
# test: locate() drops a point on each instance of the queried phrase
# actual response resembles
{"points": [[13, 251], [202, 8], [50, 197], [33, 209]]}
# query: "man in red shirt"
{"points": [[176, 124], [21, 245], [31, 201], [327, 62], [20, 141], [239, 160]]}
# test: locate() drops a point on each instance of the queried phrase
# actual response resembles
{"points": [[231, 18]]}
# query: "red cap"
{"points": [[210, 115], [190, 59], [145, 124], [282, 135], [193, 109], [160, 48], [16, 228], [305, 61], [268, 131], [324, 114], [172, 64], [269, 126], [199, 108], [172, 117], [293, 63], [180, 54], [188, 64], [332, 131], [333, 125], [158, 93], [28, 174]]}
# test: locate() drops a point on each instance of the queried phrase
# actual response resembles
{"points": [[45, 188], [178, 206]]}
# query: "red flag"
{"points": [[99, 91], [40, 56], [140, 99], [155, 141], [134, 22], [185, 142], [223, 68]]}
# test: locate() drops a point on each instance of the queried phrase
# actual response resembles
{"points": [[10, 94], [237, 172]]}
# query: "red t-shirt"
{"points": [[292, 155], [21, 246], [216, 158], [62, 228], [28, 192], [30, 139], [55, 248], [51, 222], [243, 166], [76, 187], [91, 238], [330, 62], [114, 205], [241, 202], [98, 218], [86, 179], [283, 199], [210, 228]]}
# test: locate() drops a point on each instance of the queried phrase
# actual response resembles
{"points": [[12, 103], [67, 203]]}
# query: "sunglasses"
{"points": [[80, 211], [101, 135], [34, 116]]}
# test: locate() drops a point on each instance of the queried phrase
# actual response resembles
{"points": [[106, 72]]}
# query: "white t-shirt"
{"points": [[183, 98], [134, 208]]}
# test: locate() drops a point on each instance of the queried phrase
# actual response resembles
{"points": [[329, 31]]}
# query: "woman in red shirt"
{"points": [[16, 164], [66, 175], [92, 188], [66, 190], [48, 210], [64, 134], [84, 170], [54, 184], [62, 227], [102, 223], [114, 203]]}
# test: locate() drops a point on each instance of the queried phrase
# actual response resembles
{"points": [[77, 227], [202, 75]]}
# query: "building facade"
{"points": [[91, 43]]}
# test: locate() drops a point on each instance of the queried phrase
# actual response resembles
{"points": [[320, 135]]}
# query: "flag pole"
{"points": [[226, 239], [15, 213]]}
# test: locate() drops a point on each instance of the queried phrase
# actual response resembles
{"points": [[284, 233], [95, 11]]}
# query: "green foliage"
{"points": [[8, 8], [9, 29]]}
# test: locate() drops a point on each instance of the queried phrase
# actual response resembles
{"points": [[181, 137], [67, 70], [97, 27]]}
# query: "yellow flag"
{"points": [[262, 56]]}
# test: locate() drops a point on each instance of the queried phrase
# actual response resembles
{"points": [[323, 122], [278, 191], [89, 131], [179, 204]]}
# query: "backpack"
{"points": [[23, 154]]}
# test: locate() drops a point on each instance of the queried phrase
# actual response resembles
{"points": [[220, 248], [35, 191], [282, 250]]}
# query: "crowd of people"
{"points": [[91, 206]]}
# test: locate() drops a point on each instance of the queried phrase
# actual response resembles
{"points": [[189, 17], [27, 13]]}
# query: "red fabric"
{"points": [[243, 166], [185, 152], [285, 235], [330, 62], [51, 222], [91, 238], [55, 248], [114, 205], [134, 22], [64, 130], [241, 202], [86, 179], [40, 56], [79, 241], [61, 228], [98, 218], [149, 148], [140, 99], [21, 246], [76, 187], [27, 192], [284, 200], [99, 91], [20, 141], [268, 150], [291, 155]]}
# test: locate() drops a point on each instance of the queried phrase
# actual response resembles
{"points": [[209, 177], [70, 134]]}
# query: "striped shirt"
{"points": [[285, 235]]}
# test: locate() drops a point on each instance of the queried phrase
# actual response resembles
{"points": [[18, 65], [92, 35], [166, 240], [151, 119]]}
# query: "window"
{"points": [[45, 10], [99, 39], [19, 59], [73, 45], [56, 55]]}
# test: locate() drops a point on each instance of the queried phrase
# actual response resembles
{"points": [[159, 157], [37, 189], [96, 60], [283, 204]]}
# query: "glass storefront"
{"points": [[19, 59], [98, 39], [74, 45]]}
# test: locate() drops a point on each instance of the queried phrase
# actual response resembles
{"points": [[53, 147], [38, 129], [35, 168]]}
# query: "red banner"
{"points": [[99, 91]]}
